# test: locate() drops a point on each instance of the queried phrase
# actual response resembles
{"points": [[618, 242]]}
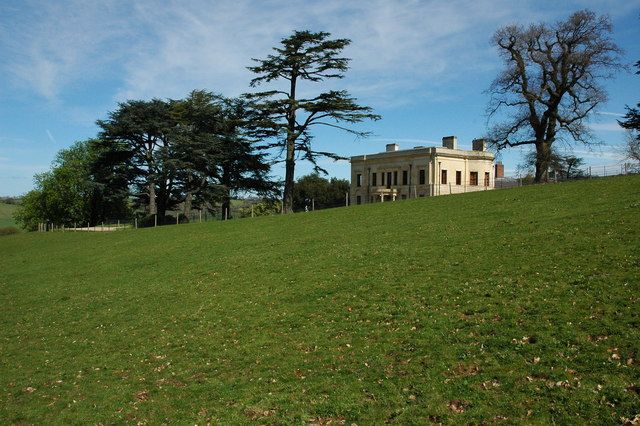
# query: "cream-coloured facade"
{"points": [[420, 172]]}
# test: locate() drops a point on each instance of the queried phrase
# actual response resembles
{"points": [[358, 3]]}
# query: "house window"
{"points": [[388, 179], [458, 177], [405, 177], [358, 179], [473, 178], [382, 178], [422, 177], [486, 178], [395, 178], [374, 179], [358, 200], [443, 177]]}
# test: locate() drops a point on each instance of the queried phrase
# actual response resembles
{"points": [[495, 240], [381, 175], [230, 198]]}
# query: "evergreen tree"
{"points": [[285, 118]]}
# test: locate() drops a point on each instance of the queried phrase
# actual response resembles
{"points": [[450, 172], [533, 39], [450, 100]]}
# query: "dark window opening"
{"points": [[395, 178], [422, 177], [443, 177], [358, 179], [374, 179], [473, 178], [388, 179], [405, 177], [458, 177], [358, 200]]}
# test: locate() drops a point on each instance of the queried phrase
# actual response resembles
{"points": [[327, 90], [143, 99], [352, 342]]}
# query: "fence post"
{"points": [[251, 210], [200, 211], [178, 219], [101, 226], [118, 224], [135, 222], [313, 204], [155, 220], [346, 199], [226, 213]]}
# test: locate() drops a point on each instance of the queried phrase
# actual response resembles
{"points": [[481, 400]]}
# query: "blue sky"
{"points": [[422, 65]]}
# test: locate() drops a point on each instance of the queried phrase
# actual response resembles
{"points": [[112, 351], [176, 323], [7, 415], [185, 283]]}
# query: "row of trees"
{"points": [[200, 151]]}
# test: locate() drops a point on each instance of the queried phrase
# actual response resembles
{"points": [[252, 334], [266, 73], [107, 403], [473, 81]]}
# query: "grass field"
{"points": [[511, 306], [6, 214]]}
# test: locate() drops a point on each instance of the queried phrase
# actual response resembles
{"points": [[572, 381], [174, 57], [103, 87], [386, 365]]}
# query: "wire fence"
{"points": [[254, 208]]}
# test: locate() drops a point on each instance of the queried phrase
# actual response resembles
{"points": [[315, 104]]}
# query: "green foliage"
{"points": [[561, 166], [513, 306], [631, 122], [284, 119], [266, 207], [314, 190], [191, 152], [8, 230], [68, 193]]}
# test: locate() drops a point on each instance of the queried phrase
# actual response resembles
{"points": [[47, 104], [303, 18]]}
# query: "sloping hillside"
{"points": [[504, 306], [6, 214]]}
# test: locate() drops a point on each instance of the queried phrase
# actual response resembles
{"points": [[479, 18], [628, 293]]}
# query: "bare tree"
{"points": [[551, 83]]}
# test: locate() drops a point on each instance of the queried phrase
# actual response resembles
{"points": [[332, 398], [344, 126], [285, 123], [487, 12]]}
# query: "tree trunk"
{"points": [[543, 158], [188, 201], [290, 159], [153, 208], [290, 165]]}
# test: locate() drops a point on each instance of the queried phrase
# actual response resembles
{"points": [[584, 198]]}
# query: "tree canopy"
{"points": [[315, 191], [69, 193], [285, 119], [631, 122], [551, 83]]}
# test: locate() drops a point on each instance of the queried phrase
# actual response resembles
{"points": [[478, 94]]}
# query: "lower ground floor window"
{"points": [[473, 178], [358, 200]]}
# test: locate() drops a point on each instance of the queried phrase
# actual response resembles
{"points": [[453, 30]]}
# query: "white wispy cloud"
{"points": [[607, 127], [402, 52], [51, 138], [614, 114]]}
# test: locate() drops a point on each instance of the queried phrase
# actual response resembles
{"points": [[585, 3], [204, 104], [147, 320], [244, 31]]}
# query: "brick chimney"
{"points": [[479, 145], [392, 147], [499, 168], [450, 142]]}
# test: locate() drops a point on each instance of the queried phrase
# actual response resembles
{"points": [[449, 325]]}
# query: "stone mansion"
{"points": [[421, 172]]}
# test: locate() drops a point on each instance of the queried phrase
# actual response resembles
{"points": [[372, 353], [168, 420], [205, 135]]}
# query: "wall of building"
{"points": [[433, 161]]}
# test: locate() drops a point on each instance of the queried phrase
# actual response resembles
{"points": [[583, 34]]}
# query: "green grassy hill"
{"points": [[513, 306], [6, 214]]}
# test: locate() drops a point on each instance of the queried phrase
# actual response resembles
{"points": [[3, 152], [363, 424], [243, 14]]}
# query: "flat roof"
{"points": [[426, 150]]}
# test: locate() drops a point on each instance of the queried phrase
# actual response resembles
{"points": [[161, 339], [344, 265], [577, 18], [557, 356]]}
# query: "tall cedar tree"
{"points": [[242, 168], [141, 130], [551, 83], [632, 123], [213, 154], [198, 148], [287, 119]]}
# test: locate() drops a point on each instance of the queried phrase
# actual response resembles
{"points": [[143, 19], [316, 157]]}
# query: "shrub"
{"points": [[8, 230]]}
